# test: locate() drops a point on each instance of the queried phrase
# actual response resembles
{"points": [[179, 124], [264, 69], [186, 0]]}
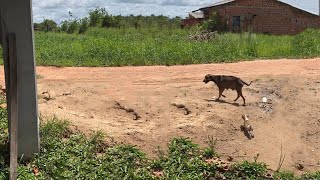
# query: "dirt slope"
{"points": [[291, 117]]}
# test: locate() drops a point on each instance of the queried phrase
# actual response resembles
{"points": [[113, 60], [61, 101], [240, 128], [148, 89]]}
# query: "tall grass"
{"points": [[121, 47]]}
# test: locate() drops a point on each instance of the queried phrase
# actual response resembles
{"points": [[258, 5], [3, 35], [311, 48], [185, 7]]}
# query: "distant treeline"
{"points": [[99, 17]]}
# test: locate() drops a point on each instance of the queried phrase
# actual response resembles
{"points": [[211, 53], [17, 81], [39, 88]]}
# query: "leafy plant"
{"points": [[214, 23], [247, 170], [284, 175]]}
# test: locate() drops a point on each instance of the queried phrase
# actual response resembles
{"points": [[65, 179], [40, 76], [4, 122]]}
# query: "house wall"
{"points": [[190, 22], [271, 16]]}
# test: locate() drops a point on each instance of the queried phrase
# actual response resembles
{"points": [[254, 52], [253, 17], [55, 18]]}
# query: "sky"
{"points": [[57, 10]]}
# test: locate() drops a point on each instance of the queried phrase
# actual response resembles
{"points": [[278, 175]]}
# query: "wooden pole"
{"points": [[13, 88]]}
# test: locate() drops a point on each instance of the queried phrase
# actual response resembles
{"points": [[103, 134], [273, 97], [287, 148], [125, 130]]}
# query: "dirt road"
{"points": [[290, 118]]}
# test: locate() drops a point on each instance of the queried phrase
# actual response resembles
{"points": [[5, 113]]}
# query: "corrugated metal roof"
{"points": [[282, 1], [218, 3], [304, 9], [197, 14]]}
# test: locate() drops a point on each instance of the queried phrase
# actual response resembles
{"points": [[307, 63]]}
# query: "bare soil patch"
{"points": [[174, 102]]}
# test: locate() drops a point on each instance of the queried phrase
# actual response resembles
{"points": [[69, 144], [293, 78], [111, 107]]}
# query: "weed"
{"points": [[284, 175], [210, 151], [281, 160], [248, 170], [315, 175]]}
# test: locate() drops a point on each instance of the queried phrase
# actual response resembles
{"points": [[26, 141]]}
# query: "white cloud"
{"points": [[58, 9]]}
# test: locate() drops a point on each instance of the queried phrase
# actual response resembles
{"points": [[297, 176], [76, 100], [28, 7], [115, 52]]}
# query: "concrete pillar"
{"points": [[16, 17]]}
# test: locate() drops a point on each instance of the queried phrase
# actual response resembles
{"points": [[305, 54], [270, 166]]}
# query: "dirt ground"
{"points": [[290, 118]]}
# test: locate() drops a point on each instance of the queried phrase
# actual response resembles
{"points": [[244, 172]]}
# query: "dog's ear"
{"points": [[208, 76]]}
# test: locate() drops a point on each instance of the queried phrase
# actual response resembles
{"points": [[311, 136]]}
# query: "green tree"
{"points": [[96, 16], [73, 26], [48, 25], [64, 26], [108, 21], [214, 23], [84, 25]]}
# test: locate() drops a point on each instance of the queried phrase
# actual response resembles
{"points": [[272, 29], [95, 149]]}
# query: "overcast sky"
{"points": [[58, 9]]}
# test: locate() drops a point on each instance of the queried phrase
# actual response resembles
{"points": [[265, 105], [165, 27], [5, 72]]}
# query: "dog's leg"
{"points": [[237, 96], [244, 100], [220, 93]]}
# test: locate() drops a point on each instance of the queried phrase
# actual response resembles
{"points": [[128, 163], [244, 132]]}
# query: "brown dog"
{"points": [[227, 82]]}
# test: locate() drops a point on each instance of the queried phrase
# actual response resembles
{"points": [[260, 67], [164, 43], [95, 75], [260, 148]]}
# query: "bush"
{"points": [[214, 23], [307, 44]]}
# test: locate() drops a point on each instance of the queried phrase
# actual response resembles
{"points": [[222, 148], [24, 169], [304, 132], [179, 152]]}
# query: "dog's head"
{"points": [[213, 78]]}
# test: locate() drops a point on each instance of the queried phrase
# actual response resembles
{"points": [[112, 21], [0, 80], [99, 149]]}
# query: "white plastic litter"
{"points": [[264, 100]]}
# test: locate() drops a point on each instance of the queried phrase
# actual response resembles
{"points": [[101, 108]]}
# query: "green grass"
{"points": [[122, 47], [67, 154]]}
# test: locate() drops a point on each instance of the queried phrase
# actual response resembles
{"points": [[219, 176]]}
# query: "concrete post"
{"points": [[16, 17]]}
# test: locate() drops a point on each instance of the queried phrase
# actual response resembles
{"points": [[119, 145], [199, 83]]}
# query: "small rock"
{"points": [[60, 107], [157, 173], [36, 171], [230, 158], [66, 94], [47, 96], [4, 105], [136, 116], [269, 175], [129, 110], [300, 167]]}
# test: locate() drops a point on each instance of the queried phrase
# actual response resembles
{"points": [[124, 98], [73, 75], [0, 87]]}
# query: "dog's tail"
{"points": [[246, 83]]}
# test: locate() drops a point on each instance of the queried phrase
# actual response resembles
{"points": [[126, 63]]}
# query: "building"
{"points": [[194, 17], [260, 16]]}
